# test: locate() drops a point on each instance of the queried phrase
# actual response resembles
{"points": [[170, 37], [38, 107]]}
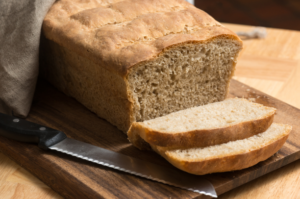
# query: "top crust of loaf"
{"points": [[120, 34]]}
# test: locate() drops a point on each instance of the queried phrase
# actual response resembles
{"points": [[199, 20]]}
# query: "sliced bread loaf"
{"points": [[212, 124], [135, 60], [230, 156]]}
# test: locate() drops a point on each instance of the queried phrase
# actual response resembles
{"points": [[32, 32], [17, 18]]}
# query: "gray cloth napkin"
{"points": [[20, 29]]}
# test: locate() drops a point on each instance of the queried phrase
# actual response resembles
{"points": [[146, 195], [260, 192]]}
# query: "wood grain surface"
{"points": [[271, 65]]}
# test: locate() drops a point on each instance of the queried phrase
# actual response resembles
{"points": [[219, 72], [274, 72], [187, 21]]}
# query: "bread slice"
{"points": [[212, 124], [135, 60], [230, 156]]}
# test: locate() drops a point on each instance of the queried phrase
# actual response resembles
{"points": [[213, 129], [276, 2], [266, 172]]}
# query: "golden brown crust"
{"points": [[121, 34], [198, 138], [227, 163]]}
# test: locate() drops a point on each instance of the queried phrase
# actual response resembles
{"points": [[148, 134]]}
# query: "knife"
{"points": [[48, 138]]}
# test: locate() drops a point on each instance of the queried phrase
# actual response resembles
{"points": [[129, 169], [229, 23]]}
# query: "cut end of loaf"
{"points": [[181, 77], [230, 156]]}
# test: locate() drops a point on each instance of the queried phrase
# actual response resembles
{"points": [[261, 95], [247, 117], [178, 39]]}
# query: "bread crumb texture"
{"points": [[211, 116], [184, 77]]}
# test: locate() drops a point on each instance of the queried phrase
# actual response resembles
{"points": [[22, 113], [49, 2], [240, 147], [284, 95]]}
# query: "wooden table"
{"points": [[271, 65]]}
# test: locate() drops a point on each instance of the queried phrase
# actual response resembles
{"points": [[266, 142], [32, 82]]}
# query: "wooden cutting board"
{"points": [[75, 178]]}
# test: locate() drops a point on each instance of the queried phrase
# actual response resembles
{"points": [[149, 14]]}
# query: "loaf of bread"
{"points": [[211, 124], [135, 60], [229, 156]]}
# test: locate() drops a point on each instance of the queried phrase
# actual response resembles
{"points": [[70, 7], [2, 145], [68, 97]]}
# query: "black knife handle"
{"points": [[24, 131]]}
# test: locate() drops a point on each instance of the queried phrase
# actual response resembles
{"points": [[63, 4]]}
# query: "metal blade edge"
{"points": [[63, 148]]}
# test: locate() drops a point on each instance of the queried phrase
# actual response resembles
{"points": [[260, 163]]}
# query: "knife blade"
{"points": [[48, 138]]}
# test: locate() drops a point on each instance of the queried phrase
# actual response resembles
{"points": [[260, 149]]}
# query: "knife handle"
{"points": [[24, 131]]}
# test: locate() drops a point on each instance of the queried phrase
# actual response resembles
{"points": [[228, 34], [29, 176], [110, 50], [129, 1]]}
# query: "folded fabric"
{"points": [[20, 30]]}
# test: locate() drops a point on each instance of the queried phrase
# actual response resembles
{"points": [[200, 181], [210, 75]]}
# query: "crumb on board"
{"points": [[251, 99], [248, 90]]}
